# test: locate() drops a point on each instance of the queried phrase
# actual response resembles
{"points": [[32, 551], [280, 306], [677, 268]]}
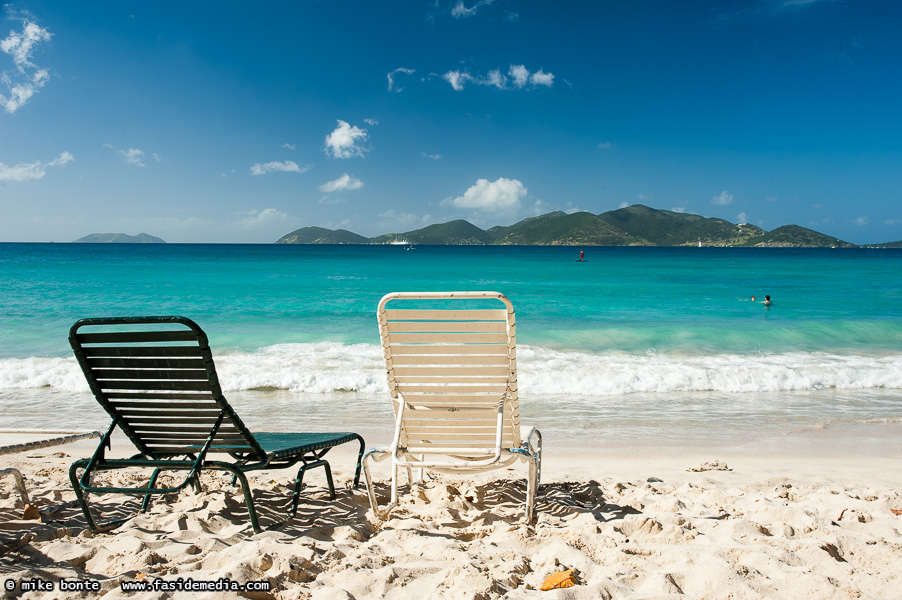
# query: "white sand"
{"points": [[770, 527]]}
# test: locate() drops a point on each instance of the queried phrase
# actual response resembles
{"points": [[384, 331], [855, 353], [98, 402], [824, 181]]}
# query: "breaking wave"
{"points": [[330, 367]]}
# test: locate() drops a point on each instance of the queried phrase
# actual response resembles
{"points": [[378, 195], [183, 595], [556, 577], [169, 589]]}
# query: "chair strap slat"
{"points": [[419, 360], [142, 351], [113, 395], [159, 428], [499, 388], [134, 337], [413, 314], [451, 349], [439, 338], [447, 327], [444, 371], [150, 374], [153, 385], [146, 363]]}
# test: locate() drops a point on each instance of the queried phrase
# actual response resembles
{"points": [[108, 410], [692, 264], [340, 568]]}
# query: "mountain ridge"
{"points": [[636, 225], [119, 238]]}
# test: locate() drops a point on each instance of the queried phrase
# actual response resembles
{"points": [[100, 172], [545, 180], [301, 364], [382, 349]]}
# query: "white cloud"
{"points": [[432, 156], [678, 209], [518, 78], [742, 218], [34, 170], [456, 79], [327, 199], [289, 166], [346, 141], [723, 198], [772, 198], [623, 204], [862, 221], [345, 182], [265, 217], [371, 121], [133, 156], [460, 11], [540, 77], [27, 78], [520, 75], [494, 196], [392, 87], [288, 146], [605, 145], [892, 221], [644, 197]]}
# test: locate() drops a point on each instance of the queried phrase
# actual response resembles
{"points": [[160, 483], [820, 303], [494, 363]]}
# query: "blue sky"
{"points": [[240, 122]]}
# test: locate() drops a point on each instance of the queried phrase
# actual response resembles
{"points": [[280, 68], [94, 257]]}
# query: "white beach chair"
{"points": [[451, 360]]}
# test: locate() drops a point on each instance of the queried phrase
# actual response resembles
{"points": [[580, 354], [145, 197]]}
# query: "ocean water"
{"points": [[636, 345]]}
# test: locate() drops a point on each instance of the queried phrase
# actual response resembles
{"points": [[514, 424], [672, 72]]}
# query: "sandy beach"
{"points": [[631, 524]]}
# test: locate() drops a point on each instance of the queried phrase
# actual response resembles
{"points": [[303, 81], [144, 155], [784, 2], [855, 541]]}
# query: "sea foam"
{"points": [[328, 367]]}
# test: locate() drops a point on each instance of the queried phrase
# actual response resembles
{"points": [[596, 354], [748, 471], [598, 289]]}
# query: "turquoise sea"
{"points": [[635, 346]]}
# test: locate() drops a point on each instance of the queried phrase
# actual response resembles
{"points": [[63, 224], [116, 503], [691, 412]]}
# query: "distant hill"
{"points": [[559, 228], [636, 225], [457, 232], [321, 235], [795, 236], [119, 238], [887, 245], [668, 228]]}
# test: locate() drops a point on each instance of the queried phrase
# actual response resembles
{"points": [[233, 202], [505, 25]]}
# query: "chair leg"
{"points": [[531, 452], [394, 481], [532, 484], [237, 475], [377, 454], [80, 493], [299, 480], [329, 480], [359, 463], [145, 504]]}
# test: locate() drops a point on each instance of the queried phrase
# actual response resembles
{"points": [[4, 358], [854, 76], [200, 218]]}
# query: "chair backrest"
{"points": [[451, 358], [155, 377]]}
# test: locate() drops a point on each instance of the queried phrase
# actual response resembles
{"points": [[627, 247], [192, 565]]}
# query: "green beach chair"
{"points": [[156, 379], [451, 360]]}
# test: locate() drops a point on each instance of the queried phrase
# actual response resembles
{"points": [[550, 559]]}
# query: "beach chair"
{"points": [[156, 379], [452, 376]]}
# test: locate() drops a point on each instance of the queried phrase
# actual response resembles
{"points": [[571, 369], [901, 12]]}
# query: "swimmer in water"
{"points": [[767, 301], [753, 298]]}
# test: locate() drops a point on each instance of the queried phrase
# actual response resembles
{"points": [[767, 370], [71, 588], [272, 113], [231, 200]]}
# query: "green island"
{"points": [[636, 225]]}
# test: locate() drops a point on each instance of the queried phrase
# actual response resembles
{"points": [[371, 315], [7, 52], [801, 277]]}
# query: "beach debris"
{"points": [[711, 465], [563, 579], [834, 551], [896, 511], [654, 480], [31, 513]]}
